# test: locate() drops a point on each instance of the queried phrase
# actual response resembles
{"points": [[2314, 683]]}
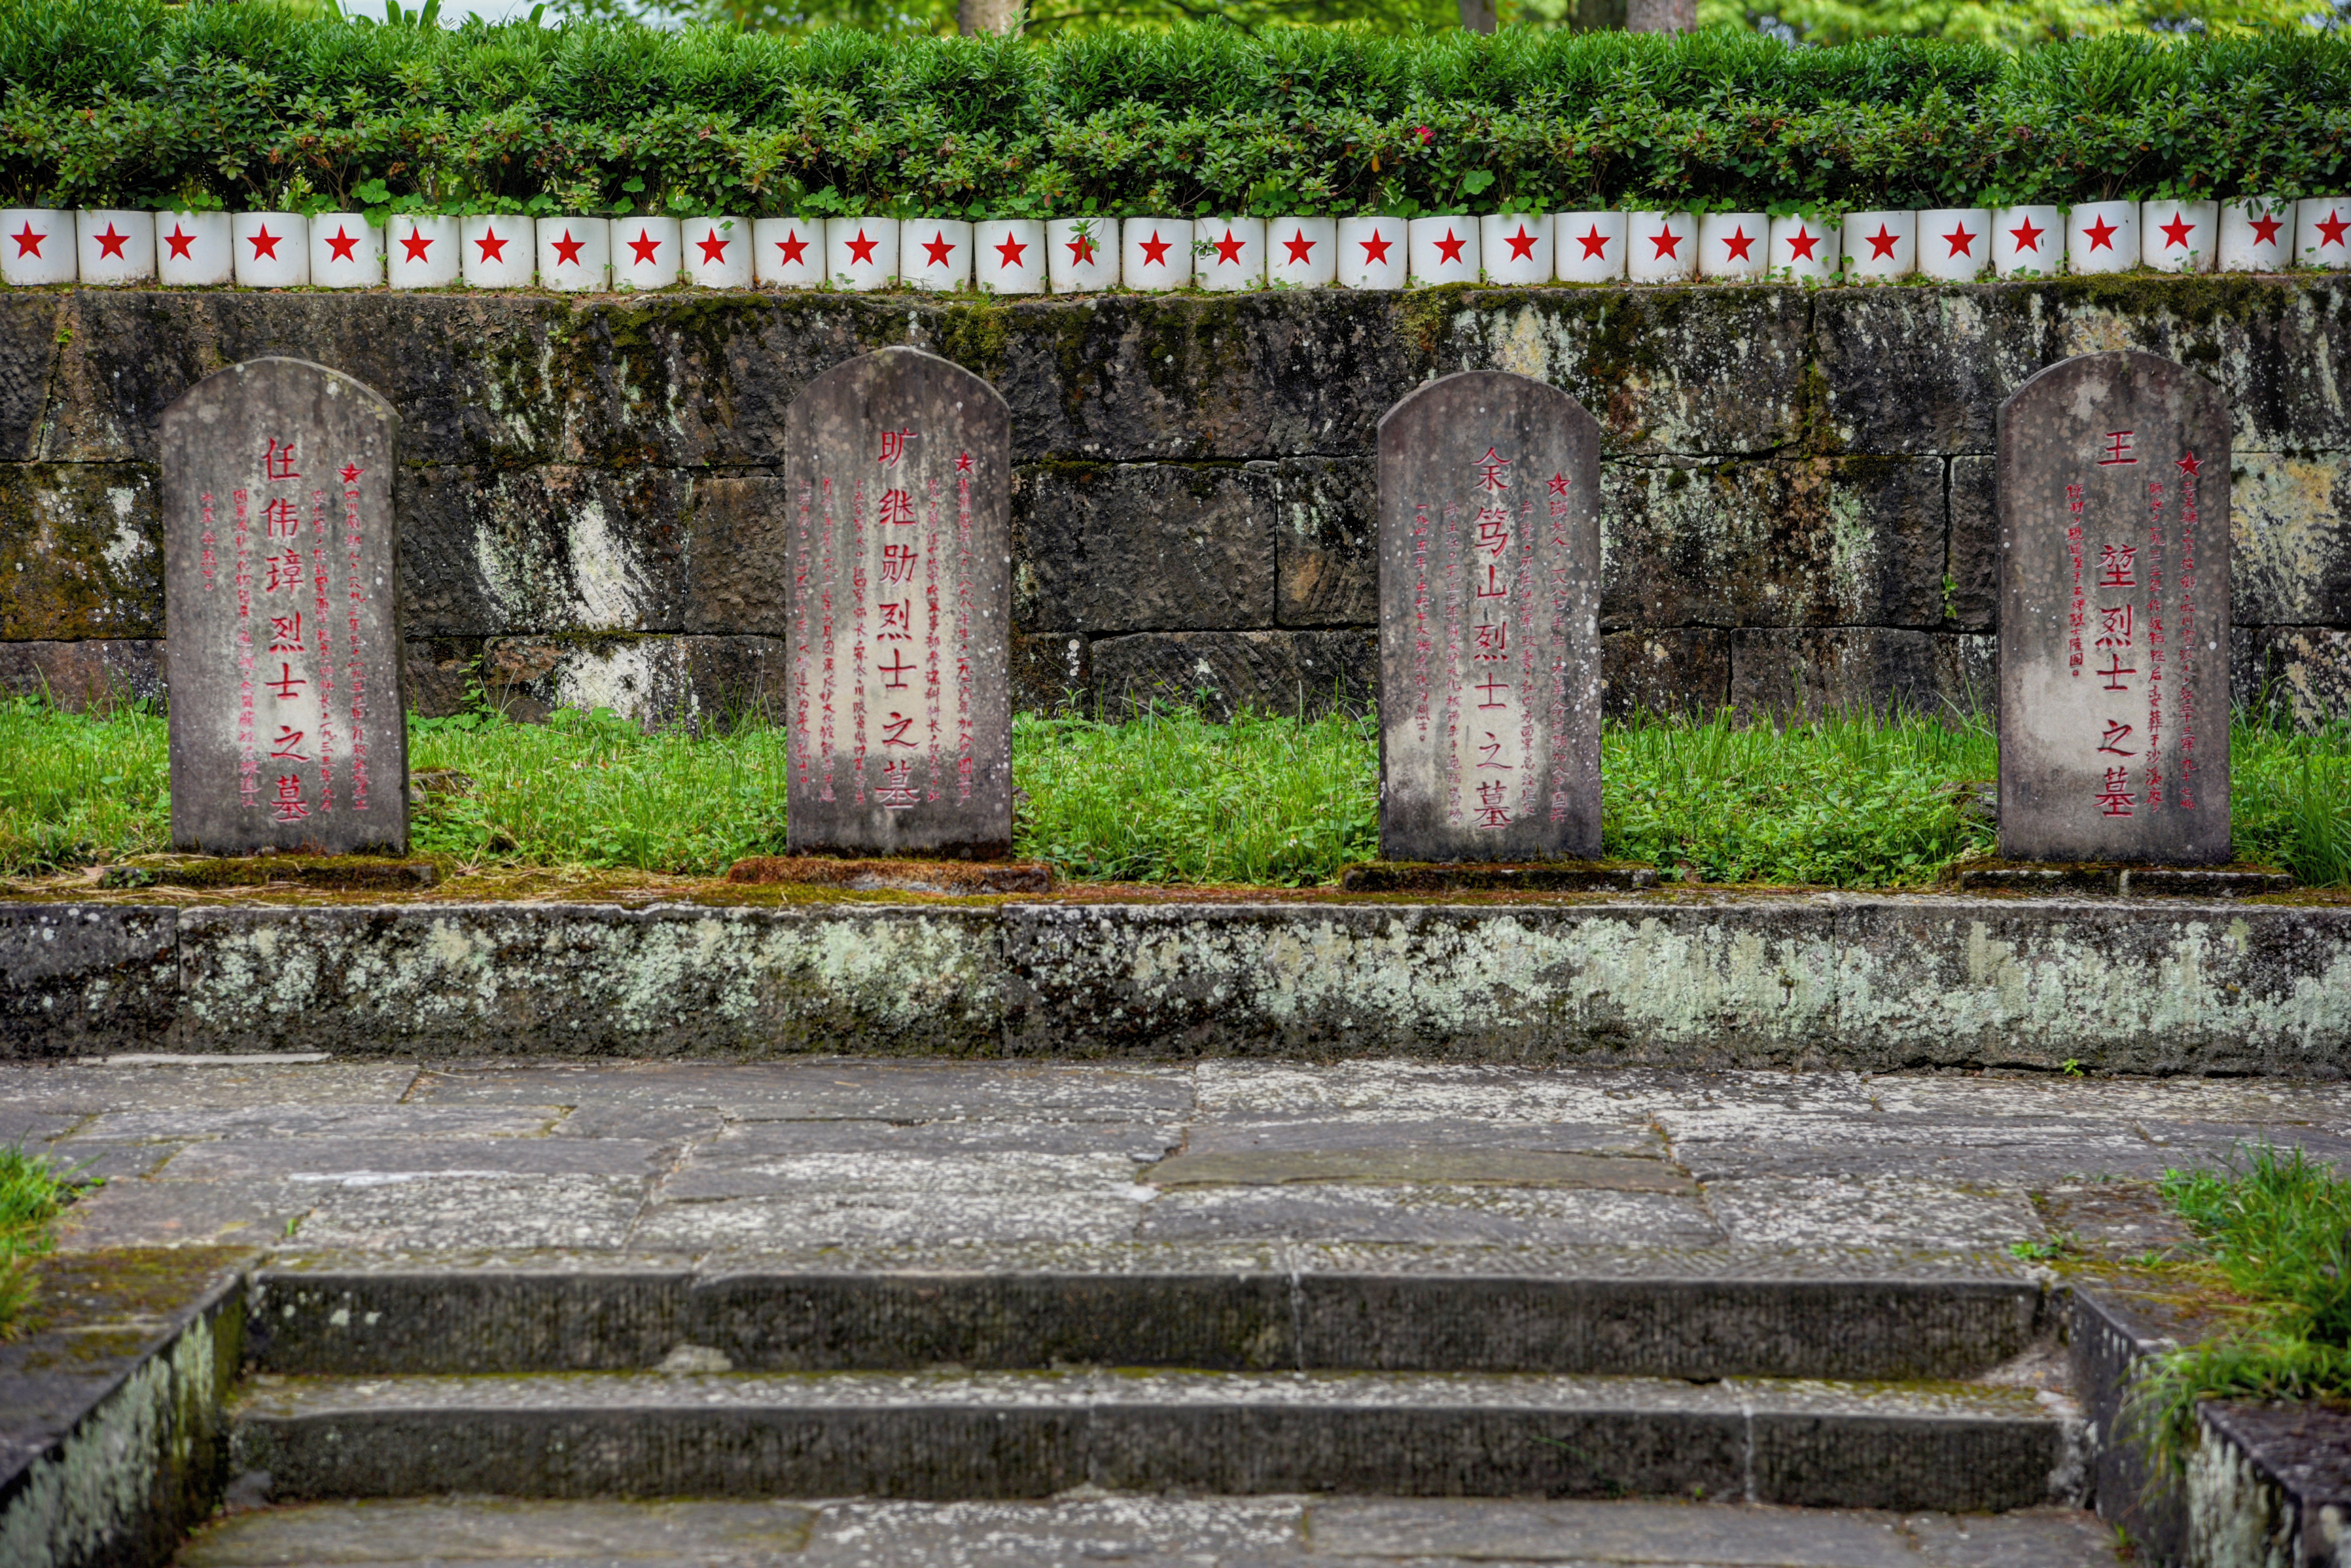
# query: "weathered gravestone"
{"points": [[1489, 637], [899, 472], [2113, 614], [286, 718]]}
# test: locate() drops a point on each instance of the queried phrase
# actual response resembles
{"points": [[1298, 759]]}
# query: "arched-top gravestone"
{"points": [[1489, 631], [899, 468], [2113, 614], [281, 615]]}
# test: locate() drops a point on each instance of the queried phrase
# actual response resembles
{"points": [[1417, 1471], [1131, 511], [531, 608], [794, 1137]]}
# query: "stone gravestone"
{"points": [[1489, 636], [287, 720], [2113, 614], [898, 467]]}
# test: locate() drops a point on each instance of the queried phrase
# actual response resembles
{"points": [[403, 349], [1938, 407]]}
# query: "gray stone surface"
{"points": [[899, 467], [283, 566], [586, 467], [1158, 1532], [1490, 636], [2113, 561]]}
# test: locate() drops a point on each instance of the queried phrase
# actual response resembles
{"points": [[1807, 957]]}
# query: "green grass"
{"points": [[32, 1194], [1853, 802], [2278, 1225]]}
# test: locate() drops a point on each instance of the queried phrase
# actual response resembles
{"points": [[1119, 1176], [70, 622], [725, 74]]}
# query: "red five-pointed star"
{"points": [[794, 248], [2177, 231], [2026, 237], [643, 248], [2189, 465], [1522, 245], [1011, 251], [493, 248], [1668, 244], [861, 248], [1961, 242], [1154, 250], [1229, 249], [343, 247], [713, 248], [2331, 227], [352, 472], [1082, 250], [1375, 249], [566, 250], [111, 243], [938, 248], [179, 240], [1594, 244], [2266, 230], [1881, 243], [266, 243], [28, 243], [1448, 249], [963, 462], [1301, 248], [2101, 235], [415, 244], [1738, 244], [1801, 247]]}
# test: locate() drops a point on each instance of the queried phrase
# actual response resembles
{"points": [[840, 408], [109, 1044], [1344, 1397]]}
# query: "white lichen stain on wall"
{"points": [[128, 543], [2287, 533]]}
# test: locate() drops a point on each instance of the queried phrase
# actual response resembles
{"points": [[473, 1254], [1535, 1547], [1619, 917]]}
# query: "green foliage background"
{"points": [[250, 104]]}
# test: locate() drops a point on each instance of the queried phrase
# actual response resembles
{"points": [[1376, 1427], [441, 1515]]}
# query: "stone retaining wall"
{"points": [[1798, 504]]}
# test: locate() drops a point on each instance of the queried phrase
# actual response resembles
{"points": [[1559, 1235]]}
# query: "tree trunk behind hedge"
{"points": [[988, 16]]}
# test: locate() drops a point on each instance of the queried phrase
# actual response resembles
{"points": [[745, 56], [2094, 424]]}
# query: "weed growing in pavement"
{"points": [[32, 1193], [2278, 1227], [1859, 801]]}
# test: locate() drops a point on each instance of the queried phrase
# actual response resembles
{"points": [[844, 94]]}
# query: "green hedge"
{"points": [[124, 102]]}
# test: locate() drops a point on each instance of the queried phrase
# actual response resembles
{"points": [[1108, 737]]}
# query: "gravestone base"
{"points": [[2114, 879], [1539, 876], [322, 874], [952, 878]]}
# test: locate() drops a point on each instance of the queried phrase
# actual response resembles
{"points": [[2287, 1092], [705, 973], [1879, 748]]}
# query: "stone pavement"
{"points": [[671, 1160], [1145, 1532]]}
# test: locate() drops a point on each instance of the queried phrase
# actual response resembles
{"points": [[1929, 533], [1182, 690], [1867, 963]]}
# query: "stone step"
{"points": [[1012, 1434], [1663, 1313]]}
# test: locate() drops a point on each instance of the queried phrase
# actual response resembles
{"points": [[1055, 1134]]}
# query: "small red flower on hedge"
{"points": [[1426, 135]]}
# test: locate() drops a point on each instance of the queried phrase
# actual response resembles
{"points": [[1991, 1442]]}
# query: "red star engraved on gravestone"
{"points": [[963, 462], [28, 243], [1881, 244], [1801, 247], [2265, 228], [1154, 250], [566, 250], [861, 249], [2177, 231], [1594, 244], [1961, 242], [1375, 249], [1301, 248], [2331, 227], [2189, 465], [2026, 237], [493, 248], [645, 247], [1082, 250], [352, 472], [343, 247], [264, 244], [1522, 245], [938, 248], [1010, 252], [1668, 244], [111, 243], [416, 246], [1738, 244], [2101, 235], [1228, 249], [713, 248], [181, 243], [1448, 249], [793, 247]]}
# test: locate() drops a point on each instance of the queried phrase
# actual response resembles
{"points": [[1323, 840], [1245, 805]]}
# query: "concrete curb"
{"points": [[1871, 983]]}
